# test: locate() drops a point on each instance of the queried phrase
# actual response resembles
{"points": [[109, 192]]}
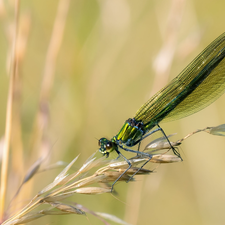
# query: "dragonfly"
{"points": [[196, 87]]}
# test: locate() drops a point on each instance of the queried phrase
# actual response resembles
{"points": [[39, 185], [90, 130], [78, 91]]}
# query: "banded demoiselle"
{"points": [[196, 87]]}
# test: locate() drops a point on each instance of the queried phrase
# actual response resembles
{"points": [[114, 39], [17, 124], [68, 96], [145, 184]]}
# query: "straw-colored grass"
{"points": [[68, 184], [91, 181], [18, 39], [9, 112]]}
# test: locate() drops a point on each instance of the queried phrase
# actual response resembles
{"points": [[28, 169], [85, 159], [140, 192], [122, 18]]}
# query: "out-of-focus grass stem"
{"points": [[49, 69], [8, 126]]}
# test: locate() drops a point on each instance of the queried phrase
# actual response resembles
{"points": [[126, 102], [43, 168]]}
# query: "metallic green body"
{"points": [[129, 134]]}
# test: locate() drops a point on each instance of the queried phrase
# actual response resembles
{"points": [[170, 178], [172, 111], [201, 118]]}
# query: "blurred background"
{"points": [[107, 60]]}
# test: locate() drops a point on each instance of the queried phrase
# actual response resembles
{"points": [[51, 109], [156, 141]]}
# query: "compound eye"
{"points": [[100, 141], [109, 145]]}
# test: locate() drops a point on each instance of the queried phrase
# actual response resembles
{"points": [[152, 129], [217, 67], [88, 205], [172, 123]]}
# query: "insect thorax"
{"points": [[131, 133]]}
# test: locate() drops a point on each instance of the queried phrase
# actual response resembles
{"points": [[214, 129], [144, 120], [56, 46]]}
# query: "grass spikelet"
{"points": [[218, 130], [67, 208], [63, 173], [51, 212], [67, 184], [165, 159], [93, 190], [87, 180], [136, 170]]}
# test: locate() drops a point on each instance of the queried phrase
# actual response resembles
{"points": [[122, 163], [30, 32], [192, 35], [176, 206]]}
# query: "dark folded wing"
{"points": [[196, 87]]}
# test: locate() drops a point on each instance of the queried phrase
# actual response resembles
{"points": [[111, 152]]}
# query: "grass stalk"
{"points": [[42, 116], [8, 126], [66, 185]]}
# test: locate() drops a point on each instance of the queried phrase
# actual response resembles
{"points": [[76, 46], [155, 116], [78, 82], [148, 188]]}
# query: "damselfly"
{"points": [[196, 87]]}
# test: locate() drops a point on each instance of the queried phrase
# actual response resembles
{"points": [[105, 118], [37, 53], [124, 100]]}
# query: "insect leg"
{"points": [[174, 150], [140, 153], [128, 162], [152, 132], [140, 168], [139, 145]]}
